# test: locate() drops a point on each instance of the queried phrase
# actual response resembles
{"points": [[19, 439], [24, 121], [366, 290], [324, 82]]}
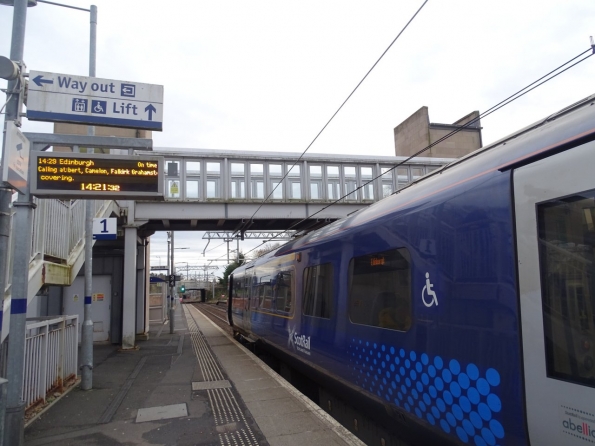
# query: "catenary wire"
{"points": [[336, 112], [533, 85]]}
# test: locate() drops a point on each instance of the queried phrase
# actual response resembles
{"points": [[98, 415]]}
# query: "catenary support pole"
{"points": [[172, 289], [87, 327], [15, 410]]}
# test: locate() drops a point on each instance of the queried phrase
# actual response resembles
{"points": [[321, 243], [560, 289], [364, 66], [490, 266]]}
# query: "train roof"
{"points": [[567, 128]]}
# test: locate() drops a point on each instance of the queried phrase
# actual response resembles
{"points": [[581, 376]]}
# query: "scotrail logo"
{"points": [[298, 342]]}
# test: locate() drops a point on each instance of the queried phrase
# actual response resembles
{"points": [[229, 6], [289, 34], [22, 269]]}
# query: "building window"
{"points": [[567, 255], [379, 291], [318, 291]]}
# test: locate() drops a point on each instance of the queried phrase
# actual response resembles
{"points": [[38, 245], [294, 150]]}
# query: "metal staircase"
{"points": [[57, 246]]}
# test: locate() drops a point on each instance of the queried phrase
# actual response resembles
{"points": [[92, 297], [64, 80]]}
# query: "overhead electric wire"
{"points": [[338, 110], [533, 85]]}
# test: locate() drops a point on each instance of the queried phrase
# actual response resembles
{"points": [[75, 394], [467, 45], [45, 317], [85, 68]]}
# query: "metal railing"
{"points": [[58, 227], [51, 356]]}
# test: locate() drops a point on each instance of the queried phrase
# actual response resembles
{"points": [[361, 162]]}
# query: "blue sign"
{"points": [[105, 228], [94, 101]]}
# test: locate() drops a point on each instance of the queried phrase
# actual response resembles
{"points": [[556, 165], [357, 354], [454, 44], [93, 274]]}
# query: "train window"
{"points": [[567, 255], [318, 291], [380, 290], [283, 291]]}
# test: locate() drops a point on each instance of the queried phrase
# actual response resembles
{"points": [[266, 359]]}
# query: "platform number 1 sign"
{"points": [[105, 228]]}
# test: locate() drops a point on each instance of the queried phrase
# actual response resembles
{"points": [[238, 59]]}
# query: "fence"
{"points": [[51, 356]]}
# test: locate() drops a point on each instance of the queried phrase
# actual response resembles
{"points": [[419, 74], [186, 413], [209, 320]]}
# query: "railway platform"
{"points": [[196, 386]]}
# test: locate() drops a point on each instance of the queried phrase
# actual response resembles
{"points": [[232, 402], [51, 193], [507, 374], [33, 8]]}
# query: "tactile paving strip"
{"points": [[229, 418]]}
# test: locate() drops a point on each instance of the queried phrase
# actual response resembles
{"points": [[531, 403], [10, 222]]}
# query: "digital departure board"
{"points": [[96, 176]]}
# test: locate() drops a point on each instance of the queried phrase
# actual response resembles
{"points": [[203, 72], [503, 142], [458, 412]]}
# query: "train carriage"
{"points": [[459, 310]]}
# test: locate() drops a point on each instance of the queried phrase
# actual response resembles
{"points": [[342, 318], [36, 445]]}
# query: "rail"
{"points": [[51, 356]]}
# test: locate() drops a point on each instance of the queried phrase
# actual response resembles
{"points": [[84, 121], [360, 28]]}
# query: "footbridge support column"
{"points": [[129, 295]]}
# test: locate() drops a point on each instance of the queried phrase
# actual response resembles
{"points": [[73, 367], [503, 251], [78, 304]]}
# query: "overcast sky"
{"points": [[267, 75]]}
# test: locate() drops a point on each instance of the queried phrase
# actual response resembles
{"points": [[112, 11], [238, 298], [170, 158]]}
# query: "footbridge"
{"points": [[210, 190]]}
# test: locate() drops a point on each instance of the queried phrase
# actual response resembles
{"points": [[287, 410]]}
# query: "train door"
{"points": [[249, 291], [555, 223]]}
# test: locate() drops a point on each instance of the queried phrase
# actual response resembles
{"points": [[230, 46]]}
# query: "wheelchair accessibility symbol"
{"points": [[428, 292], [99, 107]]}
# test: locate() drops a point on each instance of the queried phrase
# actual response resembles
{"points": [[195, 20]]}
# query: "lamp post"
{"points": [[13, 434]]}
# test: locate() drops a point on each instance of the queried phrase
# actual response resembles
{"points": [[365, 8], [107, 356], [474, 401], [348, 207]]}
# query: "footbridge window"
{"points": [[349, 173], [402, 177], [172, 179], [332, 182], [238, 181], [275, 181], [295, 182], [387, 181], [213, 179], [193, 179], [256, 181], [380, 290], [417, 172], [367, 183], [316, 183]]}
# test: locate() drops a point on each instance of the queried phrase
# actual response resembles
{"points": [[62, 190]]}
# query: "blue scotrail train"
{"points": [[460, 310]]}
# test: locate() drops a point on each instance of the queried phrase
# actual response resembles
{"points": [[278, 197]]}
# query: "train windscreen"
{"points": [[567, 256]]}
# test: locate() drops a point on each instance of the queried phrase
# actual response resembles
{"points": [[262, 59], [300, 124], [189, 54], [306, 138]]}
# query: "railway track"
{"points": [[217, 313]]}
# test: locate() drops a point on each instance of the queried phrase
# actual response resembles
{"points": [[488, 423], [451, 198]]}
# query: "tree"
{"points": [[266, 249], [229, 269]]}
